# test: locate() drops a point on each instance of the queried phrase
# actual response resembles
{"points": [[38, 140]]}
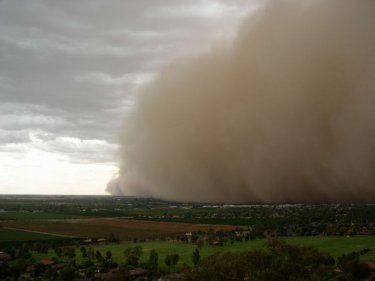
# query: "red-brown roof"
{"points": [[4, 256], [58, 266], [137, 272], [371, 265], [47, 262]]}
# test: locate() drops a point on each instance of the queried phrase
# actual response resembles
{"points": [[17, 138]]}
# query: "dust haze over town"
{"points": [[283, 113]]}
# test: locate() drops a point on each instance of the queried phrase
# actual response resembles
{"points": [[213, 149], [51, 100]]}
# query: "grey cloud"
{"points": [[99, 78], [21, 136], [15, 150], [19, 122], [70, 69], [80, 150]]}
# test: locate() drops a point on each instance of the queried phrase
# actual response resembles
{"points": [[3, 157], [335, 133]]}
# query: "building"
{"points": [[4, 256], [47, 262], [136, 273], [171, 277]]}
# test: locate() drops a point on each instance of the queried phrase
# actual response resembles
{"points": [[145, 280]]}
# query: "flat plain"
{"points": [[334, 229], [16, 235], [124, 229], [335, 246]]}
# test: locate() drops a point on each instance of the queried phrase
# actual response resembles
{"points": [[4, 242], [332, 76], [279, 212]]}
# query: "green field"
{"points": [[37, 216], [13, 235], [331, 245]]}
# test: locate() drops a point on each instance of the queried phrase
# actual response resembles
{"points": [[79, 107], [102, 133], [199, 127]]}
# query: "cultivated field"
{"points": [[124, 229], [13, 235], [36, 216]]}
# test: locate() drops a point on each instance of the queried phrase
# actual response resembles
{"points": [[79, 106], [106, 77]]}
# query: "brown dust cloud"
{"points": [[286, 113]]}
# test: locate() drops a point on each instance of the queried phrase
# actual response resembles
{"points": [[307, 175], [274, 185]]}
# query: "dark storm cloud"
{"points": [[70, 69]]}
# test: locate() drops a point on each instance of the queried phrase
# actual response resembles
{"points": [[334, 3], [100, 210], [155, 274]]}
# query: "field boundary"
{"points": [[40, 232]]}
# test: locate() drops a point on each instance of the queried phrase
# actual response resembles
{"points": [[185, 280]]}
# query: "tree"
{"points": [[98, 256], [4, 270], [278, 261], [132, 255], [69, 252], [352, 266], [196, 257], [11, 251], [108, 255], [175, 259], [91, 253], [200, 243], [90, 272], [67, 273], [38, 247], [152, 263], [171, 260], [83, 252], [17, 268], [39, 268], [51, 274], [58, 251], [24, 251], [122, 273]]}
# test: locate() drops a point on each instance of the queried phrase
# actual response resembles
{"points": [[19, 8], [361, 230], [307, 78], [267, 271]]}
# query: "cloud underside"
{"points": [[69, 71]]}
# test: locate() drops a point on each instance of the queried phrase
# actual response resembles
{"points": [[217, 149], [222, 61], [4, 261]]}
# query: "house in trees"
{"points": [[4, 256], [171, 277], [137, 273]]}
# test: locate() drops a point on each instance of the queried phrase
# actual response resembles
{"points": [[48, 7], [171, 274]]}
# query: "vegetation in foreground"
{"points": [[324, 242], [274, 260], [280, 261], [334, 246]]}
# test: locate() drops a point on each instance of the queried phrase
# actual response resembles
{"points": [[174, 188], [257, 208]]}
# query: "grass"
{"points": [[334, 246], [13, 235], [337, 246], [36, 216], [154, 214]]}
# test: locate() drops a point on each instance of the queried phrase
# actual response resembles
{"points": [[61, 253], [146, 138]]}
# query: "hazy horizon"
{"points": [[69, 72], [201, 100]]}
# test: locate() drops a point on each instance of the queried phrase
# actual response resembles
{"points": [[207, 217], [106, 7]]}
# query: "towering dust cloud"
{"points": [[286, 114]]}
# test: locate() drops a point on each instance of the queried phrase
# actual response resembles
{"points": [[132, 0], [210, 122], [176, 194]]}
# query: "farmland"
{"points": [[91, 233], [130, 218], [124, 229], [25, 215], [334, 246], [278, 219], [331, 245], [15, 235]]}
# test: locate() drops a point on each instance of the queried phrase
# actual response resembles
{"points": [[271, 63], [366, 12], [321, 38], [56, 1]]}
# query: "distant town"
{"points": [[130, 238]]}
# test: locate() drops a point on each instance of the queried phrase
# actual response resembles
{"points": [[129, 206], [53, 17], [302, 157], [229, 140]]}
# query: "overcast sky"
{"points": [[69, 71]]}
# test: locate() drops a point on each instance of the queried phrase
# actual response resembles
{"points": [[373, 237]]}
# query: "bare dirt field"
{"points": [[124, 229]]}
